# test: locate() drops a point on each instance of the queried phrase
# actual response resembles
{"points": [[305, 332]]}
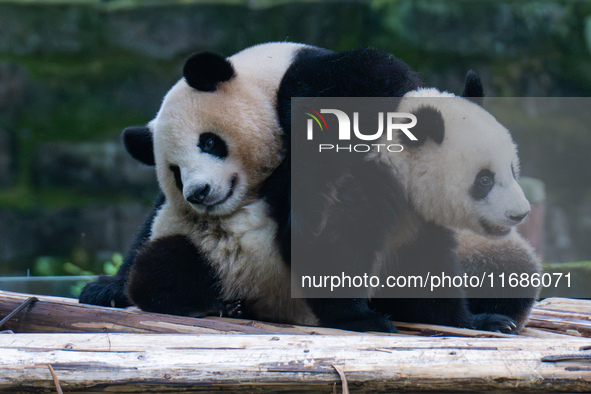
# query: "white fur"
{"points": [[242, 112], [437, 178], [241, 249]]}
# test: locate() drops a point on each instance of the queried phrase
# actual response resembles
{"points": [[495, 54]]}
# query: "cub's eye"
{"points": [[208, 145], [212, 144], [483, 184], [485, 181]]}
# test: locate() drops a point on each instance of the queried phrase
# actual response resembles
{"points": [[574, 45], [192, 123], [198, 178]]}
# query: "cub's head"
{"points": [[463, 168], [216, 136]]}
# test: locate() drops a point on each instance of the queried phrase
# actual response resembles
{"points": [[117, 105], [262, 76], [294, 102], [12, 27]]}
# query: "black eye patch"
{"points": [[483, 184], [213, 145]]}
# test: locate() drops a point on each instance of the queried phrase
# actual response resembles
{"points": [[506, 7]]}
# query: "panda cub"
{"points": [[221, 232]]}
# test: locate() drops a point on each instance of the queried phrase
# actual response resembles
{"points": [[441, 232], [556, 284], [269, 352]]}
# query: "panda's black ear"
{"points": [[203, 71], [139, 144], [473, 88], [429, 125]]}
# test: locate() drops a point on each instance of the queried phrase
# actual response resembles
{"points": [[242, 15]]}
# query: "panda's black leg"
{"points": [[445, 312], [510, 256], [515, 308], [494, 322], [442, 311], [169, 275], [351, 314], [433, 251]]}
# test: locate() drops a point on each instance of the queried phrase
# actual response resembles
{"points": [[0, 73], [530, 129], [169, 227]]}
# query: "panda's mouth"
{"points": [[494, 230], [233, 183]]}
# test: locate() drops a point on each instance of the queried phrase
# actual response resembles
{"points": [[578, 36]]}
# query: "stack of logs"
{"points": [[54, 343]]}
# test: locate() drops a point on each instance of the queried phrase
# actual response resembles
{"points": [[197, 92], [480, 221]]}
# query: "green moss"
{"points": [[567, 266], [25, 197], [85, 119], [99, 63]]}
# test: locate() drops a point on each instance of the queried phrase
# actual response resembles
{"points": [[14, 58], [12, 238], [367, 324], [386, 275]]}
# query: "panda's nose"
{"points": [[199, 194], [517, 218]]}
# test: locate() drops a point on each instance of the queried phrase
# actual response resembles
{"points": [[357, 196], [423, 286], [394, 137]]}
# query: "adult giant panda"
{"points": [[221, 232], [211, 239]]}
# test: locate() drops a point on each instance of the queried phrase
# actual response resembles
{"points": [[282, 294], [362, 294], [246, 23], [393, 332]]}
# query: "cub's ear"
{"points": [[139, 144], [429, 125], [204, 71], [473, 90]]}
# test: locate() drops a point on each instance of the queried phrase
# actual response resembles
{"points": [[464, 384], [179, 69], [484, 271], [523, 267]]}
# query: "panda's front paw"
{"points": [[105, 291], [233, 309], [494, 322]]}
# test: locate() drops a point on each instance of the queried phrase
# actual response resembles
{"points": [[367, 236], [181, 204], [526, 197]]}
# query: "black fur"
{"points": [[430, 124], [434, 246], [139, 144], [317, 72], [110, 290], [473, 89], [204, 71], [417, 258], [170, 275], [178, 181], [512, 302], [369, 204], [321, 73]]}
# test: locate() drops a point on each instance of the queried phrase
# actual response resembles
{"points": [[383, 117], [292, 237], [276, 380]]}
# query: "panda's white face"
{"points": [[216, 136], [210, 158], [467, 176]]}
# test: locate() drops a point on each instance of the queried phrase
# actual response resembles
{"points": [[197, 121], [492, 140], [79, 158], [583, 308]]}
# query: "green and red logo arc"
{"points": [[317, 117]]}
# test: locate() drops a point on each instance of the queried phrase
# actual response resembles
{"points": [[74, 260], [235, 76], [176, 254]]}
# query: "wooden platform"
{"points": [[93, 349]]}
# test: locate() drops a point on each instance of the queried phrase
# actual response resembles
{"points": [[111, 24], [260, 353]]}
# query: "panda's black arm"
{"points": [[432, 250], [110, 290], [171, 276]]}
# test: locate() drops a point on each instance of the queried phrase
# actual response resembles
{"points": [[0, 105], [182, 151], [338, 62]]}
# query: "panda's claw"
{"points": [[494, 322], [233, 308]]}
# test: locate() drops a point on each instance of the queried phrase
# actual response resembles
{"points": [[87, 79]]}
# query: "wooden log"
{"points": [[56, 314], [432, 330], [66, 315], [541, 333], [261, 363], [564, 304], [561, 315], [287, 328]]}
